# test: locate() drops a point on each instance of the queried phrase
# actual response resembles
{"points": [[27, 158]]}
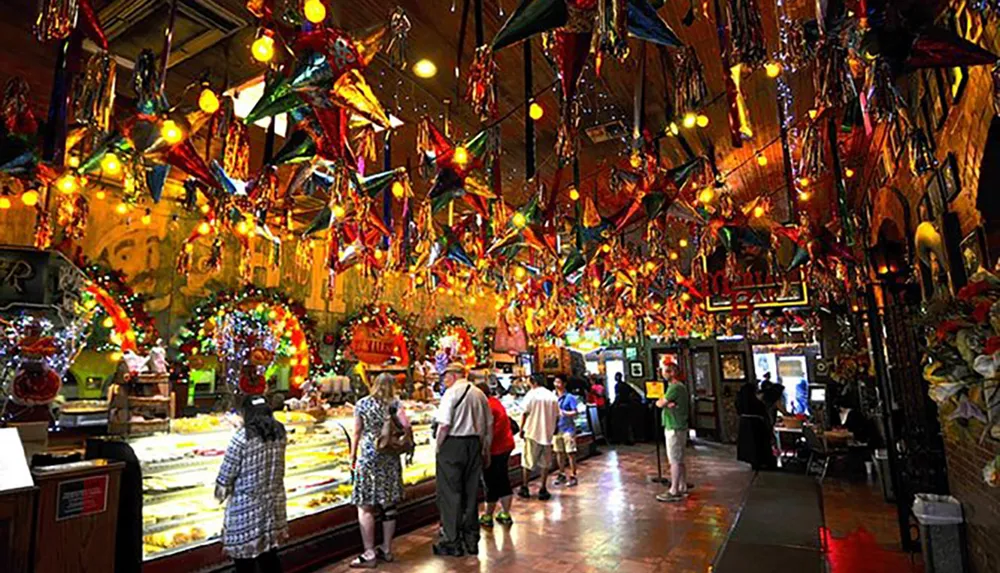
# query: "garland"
{"points": [[120, 322], [444, 327], [378, 313], [270, 307]]}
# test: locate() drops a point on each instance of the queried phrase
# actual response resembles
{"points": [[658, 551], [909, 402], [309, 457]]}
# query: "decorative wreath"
{"points": [[381, 315]]}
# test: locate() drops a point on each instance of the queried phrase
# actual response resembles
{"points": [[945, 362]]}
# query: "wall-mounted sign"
{"points": [[654, 390], [30, 277], [373, 344], [752, 288], [80, 497]]}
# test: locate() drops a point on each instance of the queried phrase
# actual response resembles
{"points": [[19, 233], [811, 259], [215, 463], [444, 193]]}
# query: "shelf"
{"points": [[315, 489], [147, 557], [160, 526]]}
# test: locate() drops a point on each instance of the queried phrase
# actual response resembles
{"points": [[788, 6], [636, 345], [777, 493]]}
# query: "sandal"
{"points": [[362, 563], [381, 554]]}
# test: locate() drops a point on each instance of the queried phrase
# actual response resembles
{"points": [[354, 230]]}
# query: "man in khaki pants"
{"points": [[675, 403]]}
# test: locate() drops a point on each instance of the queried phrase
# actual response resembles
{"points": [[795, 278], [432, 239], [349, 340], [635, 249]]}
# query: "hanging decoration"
{"points": [[37, 351], [690, 91], [458, 339], [746, 34], [374, 336], [94, 97], [120, 321]]}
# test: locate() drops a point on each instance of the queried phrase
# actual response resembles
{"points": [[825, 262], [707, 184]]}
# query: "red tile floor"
{"points": [[612, 522]]}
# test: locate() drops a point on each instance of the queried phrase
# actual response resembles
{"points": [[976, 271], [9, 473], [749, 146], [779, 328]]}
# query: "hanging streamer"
{"points": [[812, 160], [56, 19], [746, 34], [690, 91], [236, 154], [18, 119], [95, 93], [742, 110], [480, 89]]}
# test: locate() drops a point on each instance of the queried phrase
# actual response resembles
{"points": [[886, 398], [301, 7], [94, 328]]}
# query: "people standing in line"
{"points": [[252, 483], [496, 476], [463, 442], [538, 424], [753, 444], [378, 476], [675, 404], [564, 442]]}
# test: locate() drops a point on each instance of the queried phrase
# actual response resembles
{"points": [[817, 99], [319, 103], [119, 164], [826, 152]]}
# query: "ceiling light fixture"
{"points": [[425, 68]]}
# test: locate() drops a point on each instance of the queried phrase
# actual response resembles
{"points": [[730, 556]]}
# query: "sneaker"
{"points": [[486, 520], [560, 480], [544, 495], [504, 518], [573, 482], [523, 492], [669, 497]]}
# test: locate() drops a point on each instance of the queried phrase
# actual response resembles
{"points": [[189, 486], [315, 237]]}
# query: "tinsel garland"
{"points": [[43, 228], [690, 90], [884, 99], [94, 98], [236, 151], [56, 19], [996, 88], [115, 285], [18, 119], [612, 29], [746, 33], [145, 82], [832, 77], [480, 90], [72, 216]]}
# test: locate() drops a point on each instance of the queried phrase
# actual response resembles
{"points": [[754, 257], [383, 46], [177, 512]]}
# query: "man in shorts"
{"points": [[538, 424], [564, 442], [675, 402]]}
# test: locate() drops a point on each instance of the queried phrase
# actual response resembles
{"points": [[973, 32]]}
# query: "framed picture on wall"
{"points": [[925, 210], [935, 193], [734, 366], [973, 249], [636, 370], [951, 184]]}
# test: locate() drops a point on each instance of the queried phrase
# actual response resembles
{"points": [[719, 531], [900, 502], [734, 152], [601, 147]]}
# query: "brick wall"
{"points": [[963, 133]]}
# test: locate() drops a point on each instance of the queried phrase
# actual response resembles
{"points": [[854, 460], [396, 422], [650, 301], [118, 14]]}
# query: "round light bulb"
{"points": [[461, 156], [574, 195], [30, 198], [242, 228], [772, 69], [100, 195], [520, 273], [761, 160], [702, 120], [146, 218], [690, 120], [606, 248], [683, 243], [121, 208], [707, 195], [263, 48], [67, 184], [804, 196], [110, 164], [425, 69], [5, 203], [315, 11], [519, 220], [107, 322], [536, 111], [398, 191], [674, 256], [759, 211], [204, 228], [338, 211], [208, 102], [171, 132], [804, 182], [674, 130], [848, 173], [685, 297]]}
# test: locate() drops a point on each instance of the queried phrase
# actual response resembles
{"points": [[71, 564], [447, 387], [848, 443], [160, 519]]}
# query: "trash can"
{"points": [[881, 456], [940, 518]]}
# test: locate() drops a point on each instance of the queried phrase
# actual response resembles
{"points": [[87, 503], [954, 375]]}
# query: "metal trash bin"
{"points": [[941, 519], [881, 456]]}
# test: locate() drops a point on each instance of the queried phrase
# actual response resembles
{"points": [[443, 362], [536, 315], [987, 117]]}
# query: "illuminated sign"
{"points": [[753, 288]]}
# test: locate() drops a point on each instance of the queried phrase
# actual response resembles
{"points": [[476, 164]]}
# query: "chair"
{"points": [[818, 450]]}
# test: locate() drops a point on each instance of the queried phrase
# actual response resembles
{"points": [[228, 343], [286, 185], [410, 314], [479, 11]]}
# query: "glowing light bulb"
{"points": [[4, 203], [100, 195], [574, 195], [804, 182], [674, 130], [685, 297], [683, 243], [73, 162], [635, 160], [813, 113], [772, 69], [338, 211], [110, 164], [314, 10], [759, 211], [461, 156], [171, 132], [208, 102], [205, 209], [519, 220], [67, 184], [690, 120], [596, 282], [761, 160], [30, 198], [263, 48], [398, 191], [674, 256], [848, 173], [707, 195], [804, 196], [121, 208], [115, 356], [425, 69], [536, 111], [146, 218], [702, 120], [242, 228], [606, 248], [107, 322], [204, 228], [520, 273]]}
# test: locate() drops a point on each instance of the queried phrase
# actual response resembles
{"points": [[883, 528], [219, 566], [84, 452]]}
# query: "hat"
{"points": [[455, 368]]}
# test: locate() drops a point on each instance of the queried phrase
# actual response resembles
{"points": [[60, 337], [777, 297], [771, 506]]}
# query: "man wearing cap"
{"points": [[464, 433]]}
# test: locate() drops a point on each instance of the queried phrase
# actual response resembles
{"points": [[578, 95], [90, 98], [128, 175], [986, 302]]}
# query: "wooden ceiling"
{"points": [[435, 33]]}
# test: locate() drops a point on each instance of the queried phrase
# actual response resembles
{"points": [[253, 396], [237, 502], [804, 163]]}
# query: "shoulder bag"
{"points": [[434, 424], [395, 439]]}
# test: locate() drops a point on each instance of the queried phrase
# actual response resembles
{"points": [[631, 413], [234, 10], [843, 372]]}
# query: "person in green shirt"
{"points": [[675, 403]]}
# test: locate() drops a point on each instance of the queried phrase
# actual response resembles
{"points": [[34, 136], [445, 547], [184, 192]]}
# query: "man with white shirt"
{"points": [[538, 424], [464, 433]]}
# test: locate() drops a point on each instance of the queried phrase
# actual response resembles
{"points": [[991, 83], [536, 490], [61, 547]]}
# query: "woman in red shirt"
{"points": [[497, 476]]}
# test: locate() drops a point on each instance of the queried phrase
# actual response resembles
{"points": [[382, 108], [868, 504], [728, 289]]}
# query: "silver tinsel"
{"points": [[832, 77], [812, 158]]}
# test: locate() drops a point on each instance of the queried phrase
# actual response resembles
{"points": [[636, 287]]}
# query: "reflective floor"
{"points": [[612, 522]]}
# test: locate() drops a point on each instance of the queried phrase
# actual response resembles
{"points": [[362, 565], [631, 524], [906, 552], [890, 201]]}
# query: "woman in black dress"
{"points": [[754, 442]]}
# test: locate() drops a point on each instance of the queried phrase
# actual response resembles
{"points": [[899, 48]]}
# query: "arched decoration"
{"points": [[464, 340], [285, 317], [889, 253], [375, 335], [120, 321], [987, 199], [889, 203]]}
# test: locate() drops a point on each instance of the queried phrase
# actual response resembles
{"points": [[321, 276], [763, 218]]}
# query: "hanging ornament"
{"points": [[996, 88], [746, 34], [920, 158], [56, 19], [18, 119], [812, 159], [72, 216], [884, 99], [43, 229], [145, 82], [94, 98], [481, 90], [236, 151], [690, 90], [832, 77]]}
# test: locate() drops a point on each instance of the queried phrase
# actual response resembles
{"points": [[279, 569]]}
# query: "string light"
{"points": [[461, 156], [702, 120], [690, 120], [110, 164], [707, 195], [804, 196], [30, 198], [849, 173], [147, 217], [121, 208], [674, 256], [5, 203], [398, 191], [171, 132], [208, 102], [536, 111], [804, 182], [314, 10], [338, 211], [425, 69], [759, 211], [204, 228], [761, 159], [263, 48], [772, 69], [683, 243], [68, 184], [520, 272], [100, 195], [574, 195], [519, 220]]}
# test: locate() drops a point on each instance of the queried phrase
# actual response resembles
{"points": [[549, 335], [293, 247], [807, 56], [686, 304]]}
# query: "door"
{"points": [[611, 368], [702, 387]]}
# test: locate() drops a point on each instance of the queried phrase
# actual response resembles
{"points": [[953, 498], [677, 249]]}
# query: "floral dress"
{"points": [[378, 478], [253, 475]]}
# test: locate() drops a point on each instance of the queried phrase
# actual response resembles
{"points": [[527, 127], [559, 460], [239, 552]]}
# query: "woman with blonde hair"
{"points": [[378, 476]]}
